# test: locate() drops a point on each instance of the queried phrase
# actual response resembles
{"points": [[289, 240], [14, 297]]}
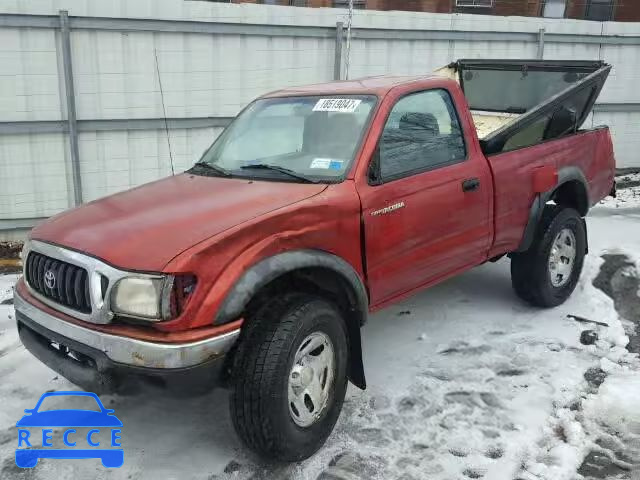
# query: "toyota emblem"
{"points": [[49, 279]]}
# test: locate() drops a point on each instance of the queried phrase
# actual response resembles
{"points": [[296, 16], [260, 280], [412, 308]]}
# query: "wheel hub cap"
{"points": [[562, 258], [311, 379]]}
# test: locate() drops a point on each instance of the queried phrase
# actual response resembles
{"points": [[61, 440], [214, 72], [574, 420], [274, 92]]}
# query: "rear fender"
{"points": [[566, 175]]}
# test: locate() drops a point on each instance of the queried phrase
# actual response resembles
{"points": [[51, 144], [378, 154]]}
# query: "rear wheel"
{"points": [[548, 272], [290, 377]]}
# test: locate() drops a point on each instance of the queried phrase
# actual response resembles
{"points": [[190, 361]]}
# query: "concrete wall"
{"points": [[212, 75]]}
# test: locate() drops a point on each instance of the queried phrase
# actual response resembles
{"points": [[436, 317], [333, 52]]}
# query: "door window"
{"points": [[422, 132]]}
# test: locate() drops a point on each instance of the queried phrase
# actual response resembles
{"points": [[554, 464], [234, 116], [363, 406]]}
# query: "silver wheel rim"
{"points": [[562, 258], [311, 379]]}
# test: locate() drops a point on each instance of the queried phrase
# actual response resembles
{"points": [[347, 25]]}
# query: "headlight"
{"points": [[139, 297], [152, 298]]}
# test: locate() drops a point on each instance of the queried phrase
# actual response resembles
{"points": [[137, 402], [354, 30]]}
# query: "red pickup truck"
{"points": [[257, 267]]}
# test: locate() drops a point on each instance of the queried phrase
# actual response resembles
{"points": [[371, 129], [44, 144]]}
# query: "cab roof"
{"points": [[379, 85]]}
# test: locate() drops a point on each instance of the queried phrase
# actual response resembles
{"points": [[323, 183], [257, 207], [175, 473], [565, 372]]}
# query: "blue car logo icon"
{"points": [[67, 419]]}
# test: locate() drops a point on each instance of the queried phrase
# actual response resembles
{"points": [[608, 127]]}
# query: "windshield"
{"points": [[309, 137]]}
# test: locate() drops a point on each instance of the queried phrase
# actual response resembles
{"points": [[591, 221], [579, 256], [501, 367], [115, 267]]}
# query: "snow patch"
{"points": [[616, 404], [628, 197], [6, 287]]}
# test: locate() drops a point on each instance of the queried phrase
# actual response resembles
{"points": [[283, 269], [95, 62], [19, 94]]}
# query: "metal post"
{"points": [[71, 105], [337, 65], [349, 24], [541, 33]]}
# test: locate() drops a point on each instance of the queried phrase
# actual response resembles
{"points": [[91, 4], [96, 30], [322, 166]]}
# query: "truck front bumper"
{"points": [[104, 362]]}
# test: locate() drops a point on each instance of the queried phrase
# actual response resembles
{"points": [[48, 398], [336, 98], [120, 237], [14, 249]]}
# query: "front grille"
{"points": [[59, 281]]}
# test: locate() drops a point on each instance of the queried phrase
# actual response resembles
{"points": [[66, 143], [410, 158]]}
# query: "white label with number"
{"points": [[341, 105]]}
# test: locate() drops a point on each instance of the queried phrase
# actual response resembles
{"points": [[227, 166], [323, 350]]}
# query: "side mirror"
{"points": [[28, 410], [373, 175]]}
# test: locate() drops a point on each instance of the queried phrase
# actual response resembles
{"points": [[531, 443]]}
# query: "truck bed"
{"points": [[587, 153]]}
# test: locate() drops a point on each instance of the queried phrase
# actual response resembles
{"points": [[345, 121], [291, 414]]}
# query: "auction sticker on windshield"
{"points": [[341, 105]]}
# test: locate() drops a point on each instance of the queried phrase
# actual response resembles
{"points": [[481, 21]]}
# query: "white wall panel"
{"points": [[33, 175], [201, 75], [115, 161], [29, 87], [625, 75], [481, 49], [624, 131]]}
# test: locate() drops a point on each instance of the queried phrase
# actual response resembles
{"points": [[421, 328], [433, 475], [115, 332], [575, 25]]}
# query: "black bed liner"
{"points": [[562, 93]]}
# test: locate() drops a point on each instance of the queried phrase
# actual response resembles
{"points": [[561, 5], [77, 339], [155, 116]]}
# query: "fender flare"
{"points": [[267, 270], [565, 175]]}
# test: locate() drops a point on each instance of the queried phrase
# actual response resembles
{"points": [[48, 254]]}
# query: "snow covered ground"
{"points": [[465, 381], [628, 197]]}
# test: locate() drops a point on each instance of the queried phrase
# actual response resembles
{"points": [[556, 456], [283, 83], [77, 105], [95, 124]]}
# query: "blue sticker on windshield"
{"points": [[336, 164]]}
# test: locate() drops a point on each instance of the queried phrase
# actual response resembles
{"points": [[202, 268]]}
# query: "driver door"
{"points": [[427, 215]]}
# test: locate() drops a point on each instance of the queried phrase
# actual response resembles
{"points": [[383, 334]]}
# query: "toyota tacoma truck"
{"points": [[256, 268]]}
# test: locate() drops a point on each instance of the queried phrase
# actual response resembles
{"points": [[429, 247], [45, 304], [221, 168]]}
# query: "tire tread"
{"points": [[529, 268], [256, 366]]}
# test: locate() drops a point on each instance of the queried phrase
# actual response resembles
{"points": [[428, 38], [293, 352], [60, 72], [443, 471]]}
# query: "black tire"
{"points": [[530, 272], [259, 385]]}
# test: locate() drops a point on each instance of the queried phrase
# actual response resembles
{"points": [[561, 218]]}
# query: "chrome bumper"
{"points": [[130, 351]]}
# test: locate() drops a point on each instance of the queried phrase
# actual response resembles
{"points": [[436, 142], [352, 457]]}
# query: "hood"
{"points": [[144, 228]]}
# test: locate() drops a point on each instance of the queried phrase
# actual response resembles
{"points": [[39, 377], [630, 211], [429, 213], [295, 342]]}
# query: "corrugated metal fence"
{"points": [[81, 113]]}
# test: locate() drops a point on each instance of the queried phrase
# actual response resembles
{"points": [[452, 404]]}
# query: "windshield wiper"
{"points": [[212, 168], [276, 168]]}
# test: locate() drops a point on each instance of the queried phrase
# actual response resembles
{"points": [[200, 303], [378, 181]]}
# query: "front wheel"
{"points": [[290, 377], [547, 273]]}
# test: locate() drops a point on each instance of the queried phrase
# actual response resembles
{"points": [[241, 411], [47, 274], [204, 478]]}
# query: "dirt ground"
{"points": [[10, 249]]}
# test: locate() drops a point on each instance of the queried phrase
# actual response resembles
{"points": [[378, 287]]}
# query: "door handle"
{"points": [[471, 184]]}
